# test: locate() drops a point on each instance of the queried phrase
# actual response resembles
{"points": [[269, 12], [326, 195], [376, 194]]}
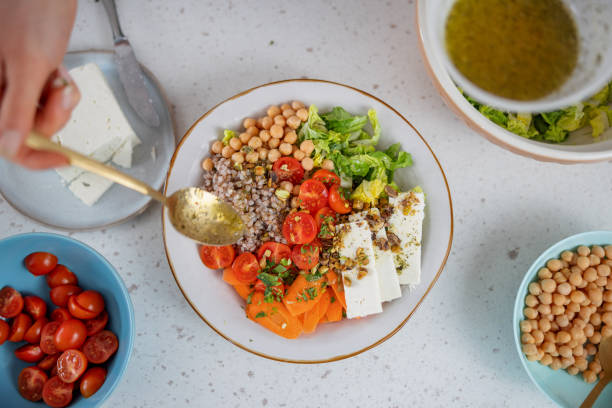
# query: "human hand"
{"points": [[36, 93]]}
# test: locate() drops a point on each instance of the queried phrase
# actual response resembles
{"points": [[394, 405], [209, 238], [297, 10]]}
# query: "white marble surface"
{"points": [[457, 350]]}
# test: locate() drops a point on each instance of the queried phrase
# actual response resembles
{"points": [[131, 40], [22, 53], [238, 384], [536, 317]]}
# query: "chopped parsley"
{"points": [[260, 314], [332, 300], [249, 298]]}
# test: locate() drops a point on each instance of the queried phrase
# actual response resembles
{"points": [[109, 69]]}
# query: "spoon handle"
{"points": [[38, 142], [592, 397]]}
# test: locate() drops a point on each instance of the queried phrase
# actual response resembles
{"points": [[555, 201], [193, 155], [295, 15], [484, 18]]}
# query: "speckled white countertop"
{"points": [[457, 350]]}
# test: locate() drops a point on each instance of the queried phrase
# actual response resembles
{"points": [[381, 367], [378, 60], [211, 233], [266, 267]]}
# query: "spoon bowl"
{"points": [[605, 358]]}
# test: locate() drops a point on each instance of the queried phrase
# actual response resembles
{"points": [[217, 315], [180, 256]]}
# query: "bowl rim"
{"points": [[561, 245], [339, 357], [501, 137], [124, 292]]}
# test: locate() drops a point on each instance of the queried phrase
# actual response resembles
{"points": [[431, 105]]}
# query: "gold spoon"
{"points": [[605, 358], [194, 212]]}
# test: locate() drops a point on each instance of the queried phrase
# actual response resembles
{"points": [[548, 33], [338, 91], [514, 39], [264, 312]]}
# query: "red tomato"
{"points": [[92, 380], [91, 301], [329, 178], [305, 256], [299, 228], [48, 362], [47, 337], [60, 294], [326, 218], [100, 347], [277, 250], [30, 353], [61, 275], [77, 311], [40, 263], [313, 195], [70, 334], [35, 307], [19, 327], [71, 365], [216, 257], [245, 267], [97, 324], [11, 302], [60, 314], [4, 331], [288, 168], [32, 335], [56, 393], [338, 201], [31, 382]]}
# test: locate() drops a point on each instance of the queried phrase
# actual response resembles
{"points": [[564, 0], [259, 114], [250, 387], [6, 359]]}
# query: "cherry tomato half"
{"points": [[338, 201], [288, 168], [48, 362], [47, 338], [326, 218], [30, 353], [60, 294], [90, 301], [11, 302], [313, 195], [216, 257], [31, 382], [5, 329], [60, 314], [61, 275], [71, 365], [100, 347], [92, 380], [19, 327], [305, 256], [35, 307], [329, 178], [97, 324], [277, 252], [32, 335], [56, 393], [299, 228], [40, 263], [245, 267], [70, 334]]}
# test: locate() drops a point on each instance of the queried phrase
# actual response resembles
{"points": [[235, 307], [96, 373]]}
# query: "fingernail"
{"points": [[10, 140], [68, 97], [62, 79]]}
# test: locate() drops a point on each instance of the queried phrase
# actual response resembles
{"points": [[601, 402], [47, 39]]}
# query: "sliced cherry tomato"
{"points": [[338, 201], [56, 393], [47, 338], [60, 314], [71, 365], [32, 335], [216, 257], [245, 267], [5, 329], [30, 353], [277, 252], [288, 168], [40, 263], [19, 327], [326, 219], [97, 324], [299, 228], [11, 302], [70, 334], [313, 195], [91, 301], [61, 275], [31, 382], [100, 347], [35, 307], [92, 380], [305, 256], [48, 362], [329, 178], [77, 311], [60, 294]]}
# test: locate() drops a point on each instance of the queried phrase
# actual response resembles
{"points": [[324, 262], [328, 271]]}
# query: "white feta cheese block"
{"points": [[388, 280], [406, 222], [103, 154], [362, 294], [89, 187]]}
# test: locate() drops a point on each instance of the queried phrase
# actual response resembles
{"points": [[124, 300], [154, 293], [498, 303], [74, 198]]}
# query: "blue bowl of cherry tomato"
{"points": [[66, 323]]}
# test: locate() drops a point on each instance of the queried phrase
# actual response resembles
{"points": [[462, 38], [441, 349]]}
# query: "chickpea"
{"points": [[295, 203], [235, 143], [544, 325], [302, 114], [307, 163], [564, 351], [577, 297], [535, 288], [531, 301], [559, 277], [217, 147], [264, 135], [564, 289], [556, 363], [583, 251], [280, 121], [545, 298], [603, 270], [290, 137], [562, 321], [244, 138], [263, 153], [598, 251], [579, 323], [273, 155], [267, 122], [583, 262], [253, 131], [545, 273], [255, 143], [238, 157], [577, 333], [578, 351], [293, 122], [549, 347], [287, 113], [557, 310], [608, 250], [595, 366], [567, 256], [276, 131], [606, 331], [538, 336], [248, 122], [273, 111], [273, 143], [530, 349], [595, 338], [558, 299], [207, 164], [596, 297], [607, 307], [563, 337], [590, 349], [307, 146], [252, 157], [572, 370], [299, 155], [546, 360], [297, 105], [327, 165], [607, 318], [575, 278], [589, 376], [227, 152], [607, 296], [285, 149], [527, 338], [573, 307], [590, 275], [287, 186], [544, 310], [259, 123], [554, 265]]}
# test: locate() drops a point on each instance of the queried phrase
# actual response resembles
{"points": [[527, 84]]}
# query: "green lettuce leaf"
{"points": [[341, 121], [573, 118], [227, 136], [494, 115]]}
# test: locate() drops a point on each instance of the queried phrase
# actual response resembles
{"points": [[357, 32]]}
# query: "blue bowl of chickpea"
{"points": [[562, 311]]}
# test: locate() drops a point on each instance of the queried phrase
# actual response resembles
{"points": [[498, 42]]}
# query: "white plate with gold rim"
{"points": [[217, 303]]}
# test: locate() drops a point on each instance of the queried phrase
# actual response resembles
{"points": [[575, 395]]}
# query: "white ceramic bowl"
{"points": [[216, 302], [577, 149]]}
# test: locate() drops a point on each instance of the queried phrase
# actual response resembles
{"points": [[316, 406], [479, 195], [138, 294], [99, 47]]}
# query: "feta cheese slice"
{"points": [[361, 288], [89, 187], [406, 223], [388, 280]]}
